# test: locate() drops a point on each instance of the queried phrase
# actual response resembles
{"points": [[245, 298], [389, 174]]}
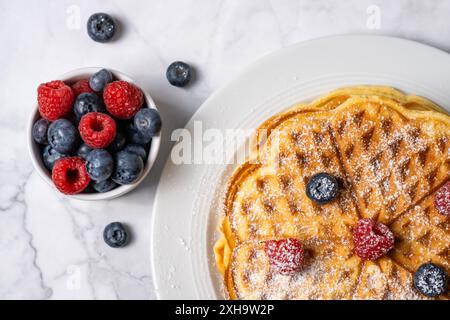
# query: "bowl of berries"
{"points": [[94, 134]]}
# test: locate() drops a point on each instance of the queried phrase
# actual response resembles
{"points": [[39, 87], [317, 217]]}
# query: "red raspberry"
{"points": [[285, 256], [70, 175], [372, 239], [442, 200], [55, 99], [97, 129], [122, 99], [81, 86]]}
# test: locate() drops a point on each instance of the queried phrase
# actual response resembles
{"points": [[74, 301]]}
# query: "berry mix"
{"points": [[95, 134]]}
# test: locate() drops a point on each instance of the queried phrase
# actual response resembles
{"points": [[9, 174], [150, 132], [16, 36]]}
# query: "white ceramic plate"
{"points": [[186, 207]]}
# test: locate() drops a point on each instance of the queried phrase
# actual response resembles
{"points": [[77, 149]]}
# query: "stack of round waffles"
{"points": [[390, 153]]}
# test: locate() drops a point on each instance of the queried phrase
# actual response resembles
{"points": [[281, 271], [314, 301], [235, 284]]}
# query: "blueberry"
{"points": [[100, 79], [134, 136], [127, 167], [101, 27], [63, 136], [136, 149], [430, 280], [118, 143], [115, 235], [83, 151], [147, 122], [179, 74], [99, 164], [104, 186], [87, 102], [322, 188], [40, 128], [49, 157]]}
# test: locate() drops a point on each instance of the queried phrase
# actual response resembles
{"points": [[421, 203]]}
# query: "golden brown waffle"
{"points": [[423, 234], [390, 153], [393, 158]]}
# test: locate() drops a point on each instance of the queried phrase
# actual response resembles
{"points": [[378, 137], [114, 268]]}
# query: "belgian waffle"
{"points": [[390, 153]]}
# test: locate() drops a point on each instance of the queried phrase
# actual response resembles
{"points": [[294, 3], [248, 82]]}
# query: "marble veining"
{"points": [[51, 247]]}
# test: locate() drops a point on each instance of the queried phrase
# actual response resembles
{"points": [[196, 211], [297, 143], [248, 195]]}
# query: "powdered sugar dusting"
{"points": [[388, 167]]}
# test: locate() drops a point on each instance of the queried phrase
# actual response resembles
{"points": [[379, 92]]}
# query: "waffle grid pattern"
{"points": [[389, 164]]}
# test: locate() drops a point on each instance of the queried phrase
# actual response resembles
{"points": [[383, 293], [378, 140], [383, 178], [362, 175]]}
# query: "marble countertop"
{"points": [[52, 247]]}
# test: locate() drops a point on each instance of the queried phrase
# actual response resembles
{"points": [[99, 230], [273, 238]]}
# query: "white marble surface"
{"points": [[51, 247]]}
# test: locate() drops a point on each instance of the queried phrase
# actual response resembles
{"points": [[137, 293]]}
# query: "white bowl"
{"points": [[35, 153]]}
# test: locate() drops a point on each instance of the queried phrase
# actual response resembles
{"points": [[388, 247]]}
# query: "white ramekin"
{"points": [[35, 152]]}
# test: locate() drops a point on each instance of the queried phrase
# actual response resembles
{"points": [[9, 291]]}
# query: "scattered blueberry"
{"points": [[63, 136], [83, 151], [50, 155], [100, 79], [322, 188], [134, 136], [147, 122], [431, 280], [179, 74], [127, 167], [104, 186], [40, 131], [118, 143], [136, 149], [87, 102], [115, 235], [99, 164], [101, 27]]}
